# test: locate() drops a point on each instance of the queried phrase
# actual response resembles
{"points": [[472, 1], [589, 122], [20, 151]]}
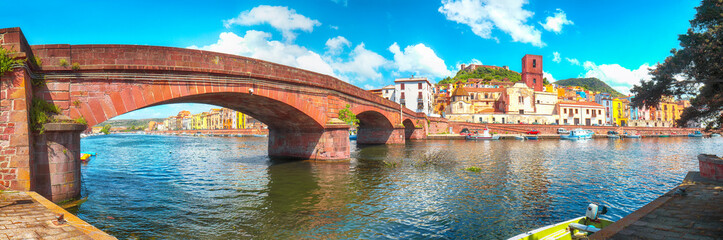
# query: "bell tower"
{"points": [[532, 71]]}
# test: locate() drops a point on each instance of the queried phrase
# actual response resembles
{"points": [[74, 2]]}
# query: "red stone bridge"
{"points": [[99, 82]]}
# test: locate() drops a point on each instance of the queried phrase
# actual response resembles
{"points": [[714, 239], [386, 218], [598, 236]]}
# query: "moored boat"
{"points": [[484, 136], [696, 134], [519, 137], [715, 135], [613, 134], [577, 134], [532, 137], [577, 228]]}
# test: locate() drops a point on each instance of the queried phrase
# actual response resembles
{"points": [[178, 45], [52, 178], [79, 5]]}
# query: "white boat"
{"points": [[577, 134], [715, 135], [484, 136]]}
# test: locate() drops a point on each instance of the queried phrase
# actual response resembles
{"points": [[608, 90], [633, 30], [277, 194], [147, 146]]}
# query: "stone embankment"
{"points": [[27, 215], [693, 210]]}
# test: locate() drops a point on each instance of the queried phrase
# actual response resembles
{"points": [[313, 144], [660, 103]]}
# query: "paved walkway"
{"points": [[27, 215], [693, 210]]}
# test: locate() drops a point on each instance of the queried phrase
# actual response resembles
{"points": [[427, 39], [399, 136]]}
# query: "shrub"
{"points": [[7, 62], [63, 62]]}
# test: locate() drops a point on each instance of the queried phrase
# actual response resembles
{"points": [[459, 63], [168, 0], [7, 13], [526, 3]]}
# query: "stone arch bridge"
{"points": [[98, 82]]}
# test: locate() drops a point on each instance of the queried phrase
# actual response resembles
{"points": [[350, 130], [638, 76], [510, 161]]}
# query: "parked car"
{"points": [[533, 132], [562, 131]]}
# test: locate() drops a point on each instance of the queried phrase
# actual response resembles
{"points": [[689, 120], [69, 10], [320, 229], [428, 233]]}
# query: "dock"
{"points": [[693, 210], [27, 215]]}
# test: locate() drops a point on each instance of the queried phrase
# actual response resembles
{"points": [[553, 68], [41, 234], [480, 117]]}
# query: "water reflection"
{"points": [[175, 187]]}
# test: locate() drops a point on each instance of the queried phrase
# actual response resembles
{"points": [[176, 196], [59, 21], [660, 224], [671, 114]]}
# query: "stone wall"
{"points": [[711, 167], [56, 167]]}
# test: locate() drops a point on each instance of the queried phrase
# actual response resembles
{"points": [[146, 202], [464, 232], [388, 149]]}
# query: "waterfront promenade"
{"points": [[27, 215], [692, 210]]}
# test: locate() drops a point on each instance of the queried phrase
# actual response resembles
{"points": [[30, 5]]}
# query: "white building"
{"points": [[388, 92], [580, 113], [415, 94]]}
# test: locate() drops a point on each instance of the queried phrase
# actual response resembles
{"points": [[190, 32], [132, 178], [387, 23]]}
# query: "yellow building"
{"points": [[199, 121], [621, 112], [240, 120]]}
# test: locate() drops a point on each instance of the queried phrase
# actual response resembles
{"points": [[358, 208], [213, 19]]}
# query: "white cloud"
{"points": [[484, 15], [363, 65], [368, 87], [555, 23], [549, 77], [282, 18], [618, 77], [556, 57], [419, 59], [337, 44], [256, 44], [573, 61]]}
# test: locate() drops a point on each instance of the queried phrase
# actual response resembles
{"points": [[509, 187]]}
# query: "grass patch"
{"points": [[76, 66], [63, 62], [41, 112], [8, 62], [473, 169]]}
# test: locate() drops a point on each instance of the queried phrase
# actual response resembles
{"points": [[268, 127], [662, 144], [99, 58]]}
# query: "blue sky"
{"points": [[369, 43]]}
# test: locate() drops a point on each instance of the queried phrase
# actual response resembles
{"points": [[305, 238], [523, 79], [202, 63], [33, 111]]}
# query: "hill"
{"points": [[483, 73], [592, 84], [130, 122]]}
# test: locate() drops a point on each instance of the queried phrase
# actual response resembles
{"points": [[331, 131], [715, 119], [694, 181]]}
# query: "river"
{"points": [[183, 187]]}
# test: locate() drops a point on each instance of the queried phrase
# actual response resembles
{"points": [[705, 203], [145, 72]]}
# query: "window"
{"points": [[534, 63], [461, 106], [522, 111], [534, 81], [522, 99], [538, 101], [599, 111], [564, 110], [419, 96], [575, 111], [402, 86], [587, 111], [564, 121], [599, 122], [402, 97], [419, 86]]}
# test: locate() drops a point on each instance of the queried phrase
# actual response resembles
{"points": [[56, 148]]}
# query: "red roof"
{"points": [[586, 104], [470, 89]]}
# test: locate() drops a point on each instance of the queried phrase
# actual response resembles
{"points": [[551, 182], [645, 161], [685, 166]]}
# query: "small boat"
{"points": [[352, 135], [484, 136], [613, 134], [577, 134], [519, 137], [663, 135], [715, 135], [634, 135], [532, 137], [696, 134], [562, 131], [84, 157], [576, 228]]}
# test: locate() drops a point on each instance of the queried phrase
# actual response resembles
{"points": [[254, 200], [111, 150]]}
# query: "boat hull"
{"points": [[559, 230], [473, 137]]}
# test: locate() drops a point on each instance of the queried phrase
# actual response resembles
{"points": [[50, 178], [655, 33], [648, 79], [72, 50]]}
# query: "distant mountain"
{"points": [[591, 84], [130, 122]]}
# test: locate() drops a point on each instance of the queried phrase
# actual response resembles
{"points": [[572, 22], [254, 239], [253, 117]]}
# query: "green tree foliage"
{"points": [[694, 70], [483, 73], [591, 84], [7, 61], [346, 115], [106, 129], [41, 113]]}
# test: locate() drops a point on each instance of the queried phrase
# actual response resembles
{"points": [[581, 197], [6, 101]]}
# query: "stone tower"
{"points": [[532, 71]]}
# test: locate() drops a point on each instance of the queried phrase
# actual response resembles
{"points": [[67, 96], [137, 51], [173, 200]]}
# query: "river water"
{"points": [[183, 187]]}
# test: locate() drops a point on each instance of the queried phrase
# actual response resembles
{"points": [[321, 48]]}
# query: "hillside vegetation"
{"points": [[591, 84], [483, 73], [130, 122]]}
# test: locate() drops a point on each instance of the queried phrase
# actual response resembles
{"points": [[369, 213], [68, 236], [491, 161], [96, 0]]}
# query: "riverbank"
{"points": [[691, 210], [540, 136], [27, 215]]}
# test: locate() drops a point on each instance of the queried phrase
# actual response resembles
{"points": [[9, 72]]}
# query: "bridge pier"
{"points": [[394, 135], [56, 167], [332, 143]]}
